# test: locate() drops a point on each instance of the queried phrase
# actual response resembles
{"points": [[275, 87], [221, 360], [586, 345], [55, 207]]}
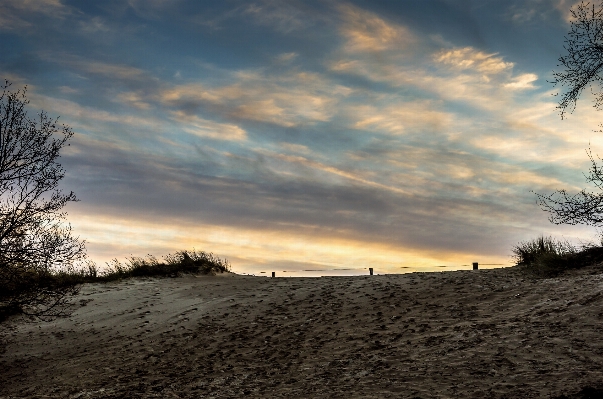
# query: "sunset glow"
{"points": [[306, 135]]}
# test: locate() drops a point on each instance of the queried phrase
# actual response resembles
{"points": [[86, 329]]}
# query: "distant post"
{"points": [[475, 265], [273, 274], [371, 270]]}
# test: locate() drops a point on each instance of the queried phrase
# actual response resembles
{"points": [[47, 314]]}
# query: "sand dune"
{"points": [[488, 333]]}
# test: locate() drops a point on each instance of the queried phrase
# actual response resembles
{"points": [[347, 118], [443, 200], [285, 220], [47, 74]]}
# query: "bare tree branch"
{"points": [[584, 207], [583, 66], [35, 241], [583, 63]]}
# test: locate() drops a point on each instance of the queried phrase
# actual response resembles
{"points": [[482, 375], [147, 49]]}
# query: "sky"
{"points": [[306, 135]]}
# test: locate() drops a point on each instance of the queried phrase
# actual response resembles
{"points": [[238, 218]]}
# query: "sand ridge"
{"points": [[486, 333]]}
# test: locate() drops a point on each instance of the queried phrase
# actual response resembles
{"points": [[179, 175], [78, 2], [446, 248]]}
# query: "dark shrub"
{"points": [[547, 257]]}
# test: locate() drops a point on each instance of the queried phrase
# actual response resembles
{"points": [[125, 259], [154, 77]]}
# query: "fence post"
{"points": [[475, 265], [273, 273], [371, 270]]}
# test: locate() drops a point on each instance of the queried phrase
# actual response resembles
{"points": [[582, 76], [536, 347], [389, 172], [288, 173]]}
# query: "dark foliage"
{"points": [[585, 207], [35, 243], [582, 66], [67, 281], [529, 252], [182, 262], [41, 263], [583, 62], [546, 257]]}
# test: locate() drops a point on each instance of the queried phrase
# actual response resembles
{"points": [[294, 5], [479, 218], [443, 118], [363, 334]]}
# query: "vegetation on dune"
{"points": [[182, 262], [581, 66], [48, 282], [42, 264], [528, 252], [547, 257]]}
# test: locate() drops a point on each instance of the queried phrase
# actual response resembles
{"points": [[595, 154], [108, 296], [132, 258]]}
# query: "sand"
{"points": [[466, 334]]}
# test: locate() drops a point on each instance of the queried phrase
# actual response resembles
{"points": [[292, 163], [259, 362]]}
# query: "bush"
{"points": [[191, 262], [528, 252], [547, 257], [27, 290], [61, 284]]}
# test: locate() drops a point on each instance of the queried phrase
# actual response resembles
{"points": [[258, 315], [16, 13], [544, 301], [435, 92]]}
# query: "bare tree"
{"points": [[36, 245], [582, 208], [583, 63], [582, 66]]}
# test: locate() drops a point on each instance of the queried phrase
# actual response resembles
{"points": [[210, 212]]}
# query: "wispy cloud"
{"points": [[109, 70], [349, 131], [287, 100], [564, 7], [397, 117], [472, 59], [207, 128], [524, 81], [285, 17], [152, 9], [285, 58], [531, 11], [87, 116], [481, 80], [365, 31], [16, 14], [94, 25]]}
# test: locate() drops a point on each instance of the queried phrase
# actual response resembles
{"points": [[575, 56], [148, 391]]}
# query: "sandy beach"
{"points": [[466, 334]]}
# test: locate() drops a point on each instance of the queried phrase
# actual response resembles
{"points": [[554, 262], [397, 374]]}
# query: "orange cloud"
{"points": [[398, 117], [254, 251], [366, 31], [524, 81], [286, 100], [469, 58]]}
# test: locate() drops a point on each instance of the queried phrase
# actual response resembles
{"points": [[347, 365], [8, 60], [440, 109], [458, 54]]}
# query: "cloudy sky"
{"points": [[295, 135]]}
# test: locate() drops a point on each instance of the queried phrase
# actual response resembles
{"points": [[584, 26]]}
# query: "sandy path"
{"points": [[490, 333]]}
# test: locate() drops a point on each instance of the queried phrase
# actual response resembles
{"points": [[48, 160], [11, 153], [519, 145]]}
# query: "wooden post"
{"points": [[371, 270], [474, 265], [273, 273]]}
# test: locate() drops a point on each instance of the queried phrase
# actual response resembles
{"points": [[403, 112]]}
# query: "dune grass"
{"points": [[21, 289], [547, 257], [182, 262]]}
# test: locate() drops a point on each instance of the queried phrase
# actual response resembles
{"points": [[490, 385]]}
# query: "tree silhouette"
{"points": [[35, 243], [582, 67], [584, 207], [583, 63]]}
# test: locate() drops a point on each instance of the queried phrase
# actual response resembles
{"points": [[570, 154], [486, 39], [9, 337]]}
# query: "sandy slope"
{"points": [[489, 333]]}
